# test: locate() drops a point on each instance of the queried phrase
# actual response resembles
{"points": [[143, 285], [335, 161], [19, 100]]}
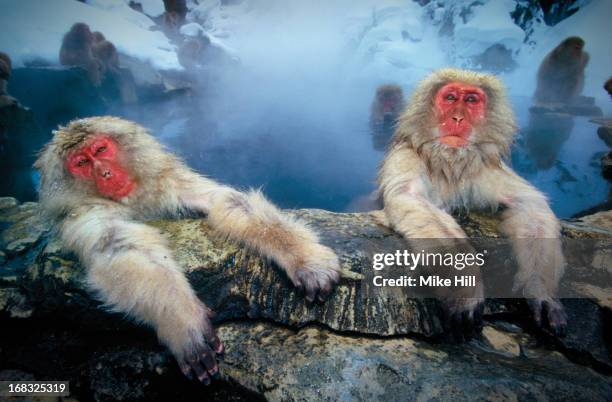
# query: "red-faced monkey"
{"points": [[102, 176], [387, 105], [447, 153]]}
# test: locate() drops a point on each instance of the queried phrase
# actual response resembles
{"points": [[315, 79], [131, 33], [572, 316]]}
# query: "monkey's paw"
{"points": [[462, 318], [318, 273], [550, 314], [199, 358]]}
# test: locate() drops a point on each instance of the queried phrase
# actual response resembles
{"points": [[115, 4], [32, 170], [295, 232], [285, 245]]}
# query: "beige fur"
{"points": [[422, 180], [128, 263]]}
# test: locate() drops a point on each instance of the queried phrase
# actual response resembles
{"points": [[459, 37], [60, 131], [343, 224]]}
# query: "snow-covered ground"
{"points": [[394, 40], [33, 30]]}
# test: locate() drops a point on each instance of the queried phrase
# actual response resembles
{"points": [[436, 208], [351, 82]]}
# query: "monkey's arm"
{"points": [[411, 213], [131, 269], [534, 232], [254, 221], [407, 201]]}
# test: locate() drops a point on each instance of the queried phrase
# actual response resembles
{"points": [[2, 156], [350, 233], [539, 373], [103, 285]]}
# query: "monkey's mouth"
{"points": [[124, 191], [455, 140]]}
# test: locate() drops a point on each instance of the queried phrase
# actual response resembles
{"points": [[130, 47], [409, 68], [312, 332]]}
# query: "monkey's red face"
{"points": [[389, 102], [99, 159], [459, 108]]}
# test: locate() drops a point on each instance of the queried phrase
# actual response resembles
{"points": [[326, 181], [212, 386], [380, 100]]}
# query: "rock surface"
{"points": [[360, 345]]}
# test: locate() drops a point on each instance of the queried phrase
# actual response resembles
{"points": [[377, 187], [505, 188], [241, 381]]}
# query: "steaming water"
{"points": [[315, 150]]}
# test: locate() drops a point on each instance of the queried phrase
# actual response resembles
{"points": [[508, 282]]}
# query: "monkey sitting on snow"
{"points": [[447, 153], [101, 176]]}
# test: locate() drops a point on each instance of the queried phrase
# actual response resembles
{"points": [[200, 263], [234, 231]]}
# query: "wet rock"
{"points": [[359, 345], [317, 364], [600, 219]]}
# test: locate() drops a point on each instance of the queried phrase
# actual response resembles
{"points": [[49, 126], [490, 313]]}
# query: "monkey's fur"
{"points": [[5, 73], [561, 74], [76, 50], [377, 112], [421, 180], [129, 264]]}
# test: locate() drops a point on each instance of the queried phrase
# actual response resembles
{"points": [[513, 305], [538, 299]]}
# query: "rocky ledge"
{"points": [[359, 345]]}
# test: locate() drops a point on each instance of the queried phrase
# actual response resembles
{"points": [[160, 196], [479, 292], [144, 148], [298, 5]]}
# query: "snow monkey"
{"points": [[561, 74], [608, 86], [5, 73], [387, 105], [447, 153], [101, 176], [76, 50]]}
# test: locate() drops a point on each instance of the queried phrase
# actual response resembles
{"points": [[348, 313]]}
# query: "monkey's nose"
{"points": [[458, 119], [106, 173]]}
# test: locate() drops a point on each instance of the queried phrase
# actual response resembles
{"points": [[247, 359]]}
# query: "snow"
{"points": [[491, 24], [154, 8], [194, 30], [366, 41], [33, 30]]}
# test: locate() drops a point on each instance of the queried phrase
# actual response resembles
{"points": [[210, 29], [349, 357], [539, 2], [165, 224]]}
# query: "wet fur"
{"points": [[421, 181], [129, 264]]}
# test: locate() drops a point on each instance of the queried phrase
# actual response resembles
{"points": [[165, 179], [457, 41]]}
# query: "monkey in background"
{"points": [[105, 52], [102, 176], [178, 8], [6, 67], [561, 74], [447, 153], [386, 107], [76, 50], [608, 86]]}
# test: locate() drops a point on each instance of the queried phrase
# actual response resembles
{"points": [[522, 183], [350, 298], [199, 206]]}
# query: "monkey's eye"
{"points": [[100, 150], [81, 162], [450, 97], [471, 98]]}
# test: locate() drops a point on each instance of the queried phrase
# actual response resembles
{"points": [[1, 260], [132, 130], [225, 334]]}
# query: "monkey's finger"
{"points": [[186, 369], [447, 322], [209, 313], [216, 345], [535, 305], [208, 360], [556, 319], [467, 319], [325, 291], [200, 372], [457, 327], [478, 317], [310, 290]]}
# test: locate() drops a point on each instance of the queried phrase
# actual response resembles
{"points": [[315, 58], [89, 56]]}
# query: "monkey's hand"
{"points": [[195, 345], [315, 273], [462, 317], [547, 311]]}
